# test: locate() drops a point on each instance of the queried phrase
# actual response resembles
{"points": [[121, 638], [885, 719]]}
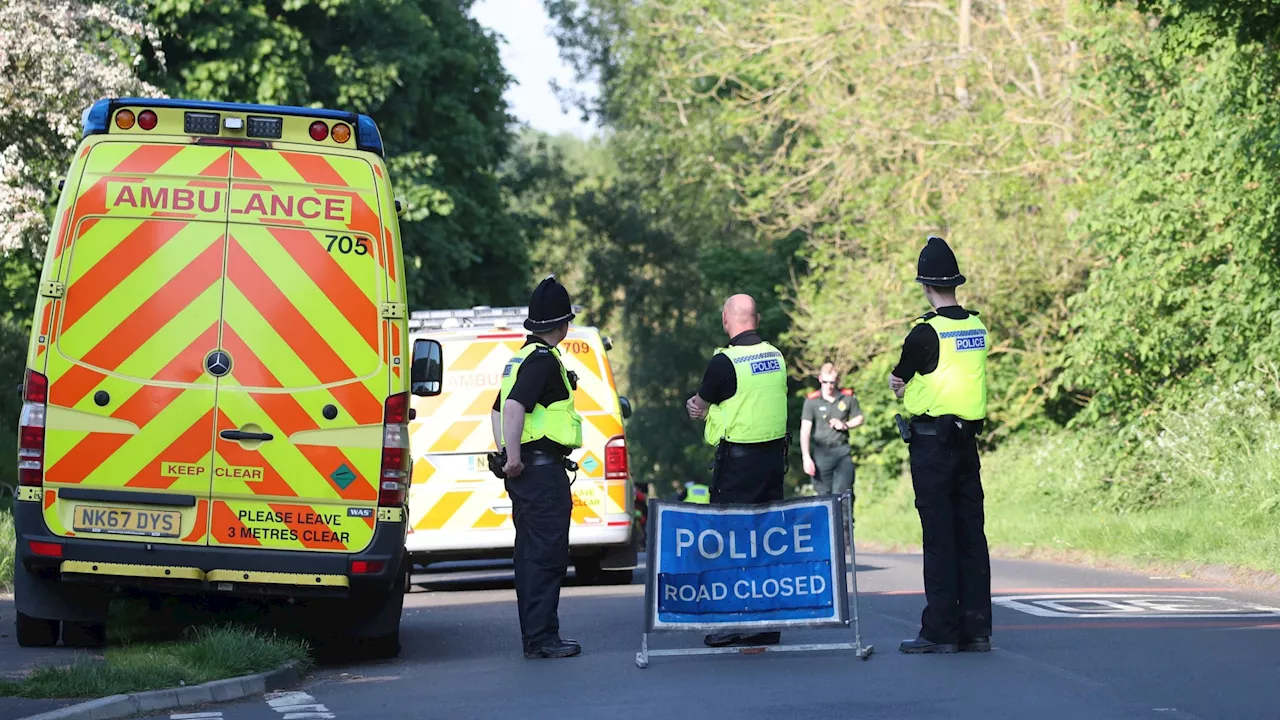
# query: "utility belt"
{"points": [[824, 447], [530, 458], [727, 450], [949, 429]]}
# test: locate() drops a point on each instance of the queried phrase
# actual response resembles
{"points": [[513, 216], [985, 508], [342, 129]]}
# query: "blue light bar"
{"points": [[98, 117], [367, 136]]}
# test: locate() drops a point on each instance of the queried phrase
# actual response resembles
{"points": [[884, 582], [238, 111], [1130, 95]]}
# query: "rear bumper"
{"points": [[474, 544], [201, 568]]}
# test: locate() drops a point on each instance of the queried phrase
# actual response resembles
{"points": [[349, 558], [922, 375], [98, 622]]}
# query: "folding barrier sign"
{"points": [[750, 569]]}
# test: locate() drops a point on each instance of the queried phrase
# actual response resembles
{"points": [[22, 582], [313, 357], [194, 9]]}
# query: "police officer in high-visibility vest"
{"points": [[696, 492], [534, 420], [941, 378], [743, 398]]}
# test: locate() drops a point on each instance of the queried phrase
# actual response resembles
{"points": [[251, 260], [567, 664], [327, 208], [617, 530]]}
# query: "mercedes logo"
{"points": [[218, 363]]}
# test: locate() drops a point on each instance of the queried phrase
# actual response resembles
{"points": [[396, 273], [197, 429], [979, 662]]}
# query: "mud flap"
{"points": [[49, 599]]}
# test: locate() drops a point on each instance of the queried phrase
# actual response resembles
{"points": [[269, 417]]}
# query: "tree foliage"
{"points": [[1188, 226], [425, 70]]}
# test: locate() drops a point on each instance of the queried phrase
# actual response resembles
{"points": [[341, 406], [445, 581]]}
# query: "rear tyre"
{"points": [[83, 634], [36, 632]]}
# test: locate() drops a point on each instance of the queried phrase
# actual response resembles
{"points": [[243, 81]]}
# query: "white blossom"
{"points": [[57, 59]]}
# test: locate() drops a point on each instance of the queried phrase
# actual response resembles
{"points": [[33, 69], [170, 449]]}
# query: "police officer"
{"points": [[535, 421], [743, 399], [696, 492], [941, 378], [825, 422]]}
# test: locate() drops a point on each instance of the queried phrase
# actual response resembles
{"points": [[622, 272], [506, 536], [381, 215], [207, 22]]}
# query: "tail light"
{"points": [[393, 483], [35, 396], [319, 131], [45, 549], [615, 459], [367, 567], [147, 120]]}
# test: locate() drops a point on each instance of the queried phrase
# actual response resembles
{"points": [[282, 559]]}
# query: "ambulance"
{"points": [[216, 399], [458, 509]]}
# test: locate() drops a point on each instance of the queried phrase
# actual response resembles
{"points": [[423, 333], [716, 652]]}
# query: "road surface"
{"points": [[1133, 648]]}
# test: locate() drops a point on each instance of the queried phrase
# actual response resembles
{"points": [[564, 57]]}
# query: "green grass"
{"points": [[1201, 485], [212, 654], [6, 551]]}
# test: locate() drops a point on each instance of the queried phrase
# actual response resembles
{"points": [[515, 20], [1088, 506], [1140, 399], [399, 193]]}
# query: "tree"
{"points": [[426, 71], [57, 57]]}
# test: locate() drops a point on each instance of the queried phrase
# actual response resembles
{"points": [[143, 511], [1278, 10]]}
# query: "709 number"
{"points": [[347, 245], [577, 347]]}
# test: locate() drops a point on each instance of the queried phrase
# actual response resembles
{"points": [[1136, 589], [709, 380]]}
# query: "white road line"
{"points": [[196, 716], [289, 698], [298, 706]]}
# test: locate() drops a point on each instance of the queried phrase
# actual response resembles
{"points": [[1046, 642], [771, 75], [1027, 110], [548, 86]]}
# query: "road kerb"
{"points": [[119, 706]]}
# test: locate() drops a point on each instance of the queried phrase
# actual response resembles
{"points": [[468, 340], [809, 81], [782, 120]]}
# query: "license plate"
{"points": [[122, 521]]}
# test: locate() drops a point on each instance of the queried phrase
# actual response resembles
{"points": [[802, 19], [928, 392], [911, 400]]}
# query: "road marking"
{"points": [[298, 706], [196, 716], [1133, 605], [1032, 591]]}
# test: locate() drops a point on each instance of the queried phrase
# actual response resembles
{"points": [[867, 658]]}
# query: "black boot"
{"points": [[975, 644], [922, 645], [558, 649]]}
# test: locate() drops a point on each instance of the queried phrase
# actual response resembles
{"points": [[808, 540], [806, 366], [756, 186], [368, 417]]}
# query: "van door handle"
{"points": [[242, 435]]}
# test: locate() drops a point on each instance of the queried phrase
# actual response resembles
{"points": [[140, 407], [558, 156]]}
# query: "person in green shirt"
{"points": [[828, 416]]}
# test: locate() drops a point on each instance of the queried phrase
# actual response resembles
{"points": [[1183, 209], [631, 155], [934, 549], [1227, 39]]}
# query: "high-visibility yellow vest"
{"points": [[959, 385], [697, 493], [757, 412], [559, 421]]}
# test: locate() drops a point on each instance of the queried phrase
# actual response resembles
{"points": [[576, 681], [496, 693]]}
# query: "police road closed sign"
{"points": [[747, 567]]}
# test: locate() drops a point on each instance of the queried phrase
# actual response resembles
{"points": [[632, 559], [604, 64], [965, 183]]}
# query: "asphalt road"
{"points": [[1152, 656]]}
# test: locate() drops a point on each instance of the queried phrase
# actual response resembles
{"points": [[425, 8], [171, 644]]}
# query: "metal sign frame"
{"points": [[844, 578]]}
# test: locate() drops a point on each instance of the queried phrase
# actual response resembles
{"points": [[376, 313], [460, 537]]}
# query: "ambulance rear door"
{"points": [[301, 397], [601, 495], [455, 501], [126, 329]]}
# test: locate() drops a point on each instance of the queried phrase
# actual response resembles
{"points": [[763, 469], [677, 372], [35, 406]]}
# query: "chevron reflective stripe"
{"points": [[168, 253], [453, 489]]}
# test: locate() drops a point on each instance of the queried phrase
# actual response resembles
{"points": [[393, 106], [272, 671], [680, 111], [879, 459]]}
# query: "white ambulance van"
{"points": [[458, 509]]}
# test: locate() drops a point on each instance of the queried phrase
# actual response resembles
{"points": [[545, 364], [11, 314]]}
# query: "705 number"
{"points": [[347, 245]]}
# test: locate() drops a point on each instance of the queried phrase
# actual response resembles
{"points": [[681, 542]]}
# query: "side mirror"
{"points": [[401, 206], [626, 407], [427, 373], [607, 342]]}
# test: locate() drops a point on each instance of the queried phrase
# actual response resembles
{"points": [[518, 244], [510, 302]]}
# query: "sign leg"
{"points": [[642, 657], [859, 649]]}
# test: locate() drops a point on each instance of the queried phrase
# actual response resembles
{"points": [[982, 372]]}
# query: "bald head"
{"points": [[740, 315]]}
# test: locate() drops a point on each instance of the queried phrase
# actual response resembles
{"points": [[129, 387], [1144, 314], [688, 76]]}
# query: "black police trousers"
{"points": [[957, 566], [541, 508], [748, 474]]}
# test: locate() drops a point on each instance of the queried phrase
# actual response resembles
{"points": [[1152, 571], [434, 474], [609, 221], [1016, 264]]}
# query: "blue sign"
{"points": [[779, 564]]}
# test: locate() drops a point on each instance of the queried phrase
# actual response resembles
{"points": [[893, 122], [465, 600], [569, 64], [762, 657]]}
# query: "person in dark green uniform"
{"points": [[941, 378], [534, 419], [828, 416], [743, 399]]}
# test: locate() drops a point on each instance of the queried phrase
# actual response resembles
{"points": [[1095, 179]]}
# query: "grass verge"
{"points": [[1198, 486], [6, 551], [213, 653]]}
